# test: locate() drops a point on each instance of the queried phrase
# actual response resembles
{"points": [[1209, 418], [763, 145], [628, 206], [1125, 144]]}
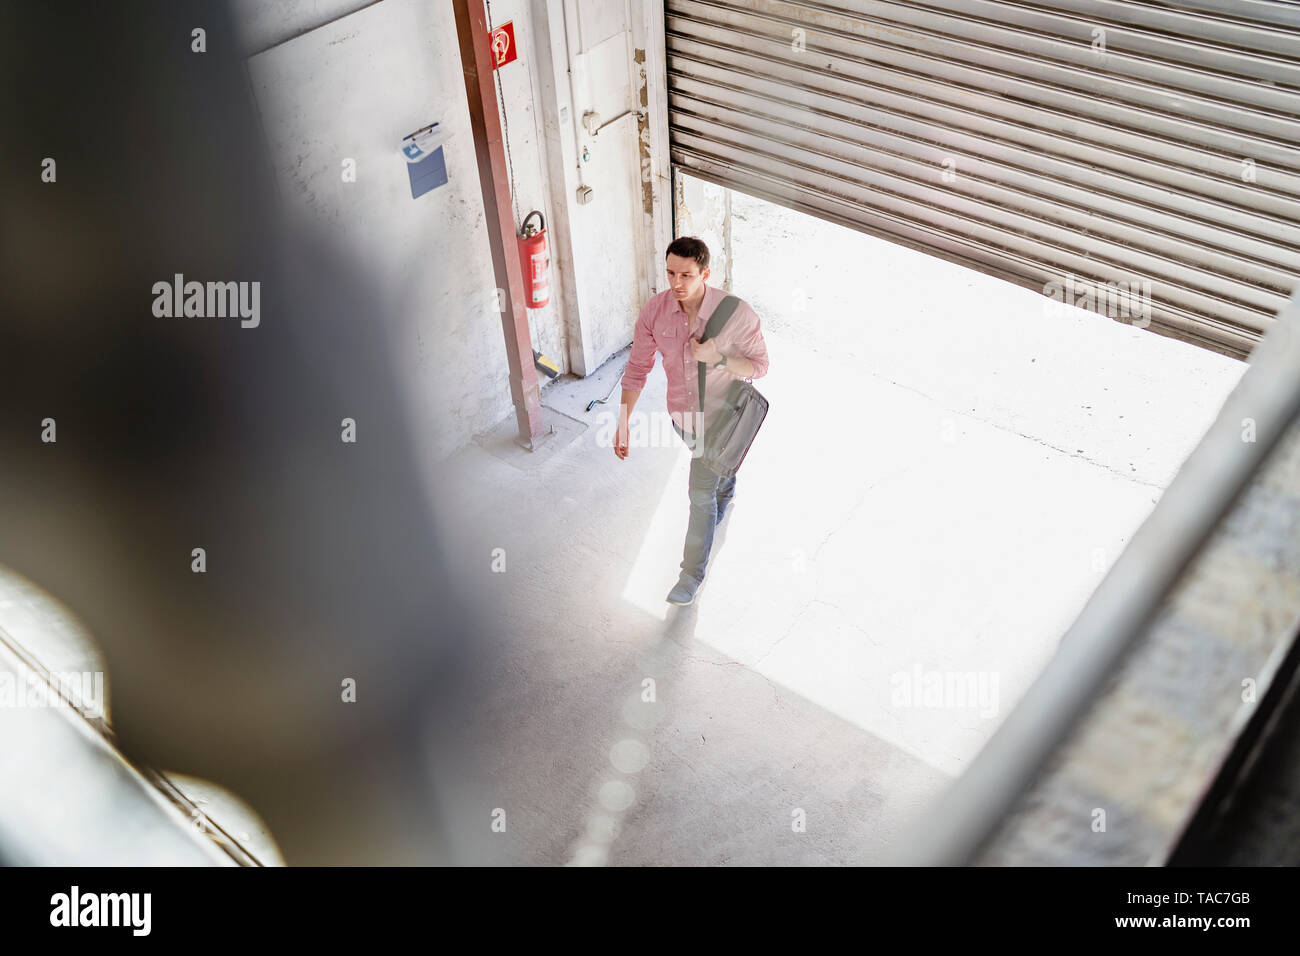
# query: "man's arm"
{"points": [[639, 364], [739, 366], [750, 360]]}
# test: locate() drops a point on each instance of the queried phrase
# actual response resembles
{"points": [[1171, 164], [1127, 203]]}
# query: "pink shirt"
{"points": [[663, 326]]}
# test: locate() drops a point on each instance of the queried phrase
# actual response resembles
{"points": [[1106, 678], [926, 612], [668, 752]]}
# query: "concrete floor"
{"points": [[943, 479]]}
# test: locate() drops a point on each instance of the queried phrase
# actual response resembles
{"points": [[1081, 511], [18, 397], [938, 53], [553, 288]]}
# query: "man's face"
{"points": [[685, 278]]}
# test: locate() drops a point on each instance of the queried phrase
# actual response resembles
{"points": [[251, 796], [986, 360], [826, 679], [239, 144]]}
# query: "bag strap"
{"points": [[725, 310]]}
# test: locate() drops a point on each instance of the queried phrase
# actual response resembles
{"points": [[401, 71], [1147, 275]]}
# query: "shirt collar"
{"points": [[705, 305]]}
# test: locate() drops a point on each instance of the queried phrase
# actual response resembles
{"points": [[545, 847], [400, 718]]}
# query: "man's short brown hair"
{"points": [[688, 247]]}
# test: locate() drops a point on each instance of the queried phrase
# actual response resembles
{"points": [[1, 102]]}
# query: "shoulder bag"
{"points": [[730, 435]]}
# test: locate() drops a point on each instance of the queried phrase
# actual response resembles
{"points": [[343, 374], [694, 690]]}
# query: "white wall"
{"points": [[589, 66], [351, 79], [262, 25], [352, 89], [703, 210], [606, 244]]}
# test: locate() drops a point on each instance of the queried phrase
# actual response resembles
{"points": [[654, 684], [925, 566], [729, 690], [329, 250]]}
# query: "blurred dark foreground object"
{"points": [[185, 432]]}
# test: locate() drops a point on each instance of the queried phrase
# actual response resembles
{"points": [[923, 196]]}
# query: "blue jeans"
{"points": [[710, 493]]}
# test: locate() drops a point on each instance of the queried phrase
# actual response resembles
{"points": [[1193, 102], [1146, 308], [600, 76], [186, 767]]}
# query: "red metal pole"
{"points": [[480, 91]]}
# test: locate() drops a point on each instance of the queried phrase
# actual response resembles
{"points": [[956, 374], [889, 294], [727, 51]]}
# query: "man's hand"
{"points": [[620, 438], [625, 407], [704, 351]]}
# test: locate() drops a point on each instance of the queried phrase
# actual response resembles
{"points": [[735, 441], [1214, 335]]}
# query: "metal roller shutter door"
{"points": [[1112, 156]]}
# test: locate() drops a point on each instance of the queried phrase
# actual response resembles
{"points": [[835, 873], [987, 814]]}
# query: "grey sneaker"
{"points": [[683, 592]]}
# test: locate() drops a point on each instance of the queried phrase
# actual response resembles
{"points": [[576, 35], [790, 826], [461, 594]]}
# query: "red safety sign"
{"points": [[503, 44]]}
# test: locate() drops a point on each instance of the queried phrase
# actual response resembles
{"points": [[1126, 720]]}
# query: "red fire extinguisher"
{"points": [[534, 262]]}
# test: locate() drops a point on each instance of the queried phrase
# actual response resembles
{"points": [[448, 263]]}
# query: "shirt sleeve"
{"points": [[751, 344], [642, 359]]}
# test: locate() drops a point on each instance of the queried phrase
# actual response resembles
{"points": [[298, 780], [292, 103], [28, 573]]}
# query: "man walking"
{"points": [[672, 323]]}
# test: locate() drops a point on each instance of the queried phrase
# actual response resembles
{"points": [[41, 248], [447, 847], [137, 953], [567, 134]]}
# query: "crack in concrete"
{"points": [[1067, 454], [795, 621], [748, 667], [845, 614], [701, 660], [858, 504]]}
